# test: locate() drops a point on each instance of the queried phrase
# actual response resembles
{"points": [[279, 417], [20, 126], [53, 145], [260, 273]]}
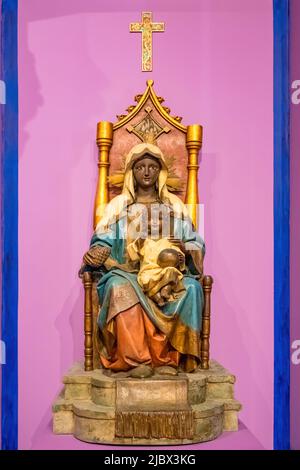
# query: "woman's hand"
{"points": [[96, 256], [178, 243]]}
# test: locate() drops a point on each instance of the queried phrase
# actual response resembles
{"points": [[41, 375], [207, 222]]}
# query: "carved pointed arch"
{"points": [[157, 101]]}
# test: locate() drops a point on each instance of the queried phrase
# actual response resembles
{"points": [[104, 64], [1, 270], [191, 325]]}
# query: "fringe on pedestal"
{"points": [[155, 424]]}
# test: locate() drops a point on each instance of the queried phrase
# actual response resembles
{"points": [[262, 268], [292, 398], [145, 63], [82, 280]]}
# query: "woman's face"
{"points": [[146, 171]]}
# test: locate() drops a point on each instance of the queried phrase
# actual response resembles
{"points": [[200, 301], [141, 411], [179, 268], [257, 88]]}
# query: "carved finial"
{"points": [[166, 109], [207, 282], [150, 82], [138, 98], [177, 118], [130, 108], [120, 116]]}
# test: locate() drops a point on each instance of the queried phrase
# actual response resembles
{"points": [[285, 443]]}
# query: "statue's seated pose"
{"points": [[151, 260], [146, 299]]}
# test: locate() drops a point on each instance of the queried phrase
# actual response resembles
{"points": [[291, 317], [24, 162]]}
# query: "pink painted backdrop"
{"points": [[1, 224], [78, 64]]}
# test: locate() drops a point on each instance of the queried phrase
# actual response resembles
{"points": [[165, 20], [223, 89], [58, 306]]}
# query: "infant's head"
{"points": [[168, 258]]}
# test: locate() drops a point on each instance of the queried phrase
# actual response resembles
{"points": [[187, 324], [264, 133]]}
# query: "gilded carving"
{"points": [[147, 27]]}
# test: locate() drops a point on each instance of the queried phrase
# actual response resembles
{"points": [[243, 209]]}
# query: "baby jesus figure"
{"points": [[162, 262]]}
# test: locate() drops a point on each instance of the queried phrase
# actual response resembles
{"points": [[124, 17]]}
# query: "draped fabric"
{"points": [[133, 330]]}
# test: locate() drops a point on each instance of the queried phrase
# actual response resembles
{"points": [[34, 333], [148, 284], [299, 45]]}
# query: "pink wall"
{"points": [[1, 224], [295, 228], [79, 64]]}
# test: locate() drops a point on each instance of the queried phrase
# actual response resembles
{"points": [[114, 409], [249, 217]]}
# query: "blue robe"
{"points": [[180, 319]]}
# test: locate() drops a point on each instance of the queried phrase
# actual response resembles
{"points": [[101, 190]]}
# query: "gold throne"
{"points": [[148, 120], [190, 407]]}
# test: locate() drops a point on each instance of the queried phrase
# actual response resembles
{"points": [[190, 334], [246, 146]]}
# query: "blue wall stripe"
{"points": [[9, 58], [281, 227]]}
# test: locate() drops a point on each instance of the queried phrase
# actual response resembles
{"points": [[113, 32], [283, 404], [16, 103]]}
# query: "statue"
{"points": [[150, 295], [146, 377]]}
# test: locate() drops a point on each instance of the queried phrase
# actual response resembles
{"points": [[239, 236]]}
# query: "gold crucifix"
{"points": [[146, 27]]}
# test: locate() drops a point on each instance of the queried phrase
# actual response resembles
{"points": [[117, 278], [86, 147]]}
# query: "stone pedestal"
{"points": [[160, 410]]}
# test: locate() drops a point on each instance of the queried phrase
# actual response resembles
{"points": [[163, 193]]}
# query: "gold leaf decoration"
{"points": [[148, 129]]}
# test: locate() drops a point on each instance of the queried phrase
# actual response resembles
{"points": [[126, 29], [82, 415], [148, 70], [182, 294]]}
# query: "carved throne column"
{"points": [[104, 141], [193, 144]]}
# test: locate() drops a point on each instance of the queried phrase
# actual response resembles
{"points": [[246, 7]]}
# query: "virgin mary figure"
{"points": [[150, 311]]}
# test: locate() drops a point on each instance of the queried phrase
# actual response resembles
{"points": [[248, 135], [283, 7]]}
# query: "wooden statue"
{"points": [[146, 377], [146, 258]]}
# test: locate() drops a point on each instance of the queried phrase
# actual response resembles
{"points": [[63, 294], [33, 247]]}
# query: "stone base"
{"points": [[91, 402]]}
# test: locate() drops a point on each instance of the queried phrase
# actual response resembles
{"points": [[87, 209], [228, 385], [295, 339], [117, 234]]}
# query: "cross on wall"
{"points": [[147, 27]]}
